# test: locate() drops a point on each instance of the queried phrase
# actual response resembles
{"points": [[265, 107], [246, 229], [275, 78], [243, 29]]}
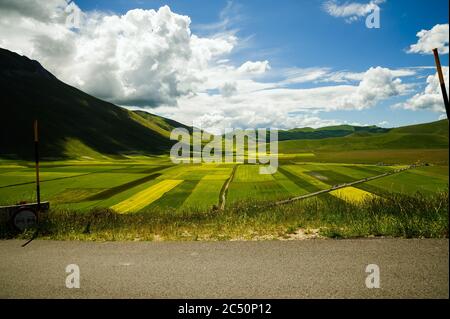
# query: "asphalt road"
{"points": [[270, 269]]}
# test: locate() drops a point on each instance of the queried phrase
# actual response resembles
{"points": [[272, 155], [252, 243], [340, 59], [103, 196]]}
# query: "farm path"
{"points": [[224, 191]]}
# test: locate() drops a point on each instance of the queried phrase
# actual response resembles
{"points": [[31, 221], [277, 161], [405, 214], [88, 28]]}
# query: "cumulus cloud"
{"points": [[377, 84], [281, 107], [151, 58], [351, 11], [45, 11], [431, 98], [437, 37], [257, 67], [228, 89], [141, 58]]}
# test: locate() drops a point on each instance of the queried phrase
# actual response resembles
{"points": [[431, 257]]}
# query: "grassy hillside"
{"points": [[72, 123], [424, 136], [327, 132], [436, 128], [162, 124]]}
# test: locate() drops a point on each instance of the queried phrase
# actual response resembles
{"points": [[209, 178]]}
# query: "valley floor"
{"points": [[140, 185], [229, 201]]}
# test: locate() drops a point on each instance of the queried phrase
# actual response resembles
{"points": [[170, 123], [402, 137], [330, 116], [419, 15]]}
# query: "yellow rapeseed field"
{"points": [[146, 197], [352, 194]]}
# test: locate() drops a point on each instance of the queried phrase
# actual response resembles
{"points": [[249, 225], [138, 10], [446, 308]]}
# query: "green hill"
{"points": [[162, 124], [423, 136], [72, 123], [309, 133], [435, 128]]}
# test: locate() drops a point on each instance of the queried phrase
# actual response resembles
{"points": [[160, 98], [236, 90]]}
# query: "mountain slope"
{"points": [[309, 133], [72, 123], [423, 136], [161, 124]]}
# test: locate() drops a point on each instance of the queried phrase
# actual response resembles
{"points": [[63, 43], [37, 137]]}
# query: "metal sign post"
{"points": [[23, 216], [441, 79], [36, 157]]}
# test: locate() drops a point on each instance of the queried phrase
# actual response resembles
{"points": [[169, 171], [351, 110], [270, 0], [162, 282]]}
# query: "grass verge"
{"points": [[394, 215]]}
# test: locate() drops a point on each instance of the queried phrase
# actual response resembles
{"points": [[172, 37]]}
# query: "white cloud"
{"points": [[150, 58], [254, 104], [327, 75], [44, 11], [343, 76], [141, 58], [377, 84], [431, 98], [228, 17], [405, 72], [296, 75], [228, 89], [351, 11], [437, 37], [257, 67]]}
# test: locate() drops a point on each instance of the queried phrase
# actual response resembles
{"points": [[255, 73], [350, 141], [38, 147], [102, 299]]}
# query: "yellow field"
{"points": [[146, 197], [352, 194]]}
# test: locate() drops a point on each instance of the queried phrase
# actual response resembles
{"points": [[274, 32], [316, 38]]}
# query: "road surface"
{"points": [[268, 269]]}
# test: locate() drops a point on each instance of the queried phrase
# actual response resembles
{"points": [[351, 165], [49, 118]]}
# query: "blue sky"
{"points": [[281, 40], [300, 33]]}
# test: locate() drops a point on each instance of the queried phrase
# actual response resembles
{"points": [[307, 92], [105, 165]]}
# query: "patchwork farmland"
{"points": [[143, 184]]}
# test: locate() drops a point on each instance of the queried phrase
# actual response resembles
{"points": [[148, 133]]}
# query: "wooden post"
{"points": [[36, 158], [441, 79]]}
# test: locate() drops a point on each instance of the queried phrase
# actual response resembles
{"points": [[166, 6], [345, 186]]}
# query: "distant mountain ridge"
{"points": [[74, 124], [432, 135], [309, 133]]}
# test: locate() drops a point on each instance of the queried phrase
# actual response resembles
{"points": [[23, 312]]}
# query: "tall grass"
{"points": [[393, 215]]}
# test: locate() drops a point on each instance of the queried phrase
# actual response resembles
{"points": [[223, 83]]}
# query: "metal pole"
{"points": [[441, 79], [36, 158]]}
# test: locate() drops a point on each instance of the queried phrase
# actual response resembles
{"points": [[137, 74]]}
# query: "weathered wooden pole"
{"points": [[441, 79], [36, 158]]}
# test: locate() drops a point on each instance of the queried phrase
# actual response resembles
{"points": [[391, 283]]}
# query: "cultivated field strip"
{"points": [[146, 197], [206, 194], [305, 180], [203, 187], [337, 187], [352, 194], [47, 175], [175, 198]]}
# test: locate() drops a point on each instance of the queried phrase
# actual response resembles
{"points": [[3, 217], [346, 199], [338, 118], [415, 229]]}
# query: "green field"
{"points": [[149, 198], [137, 197], [83, 185], [106, 172]]}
